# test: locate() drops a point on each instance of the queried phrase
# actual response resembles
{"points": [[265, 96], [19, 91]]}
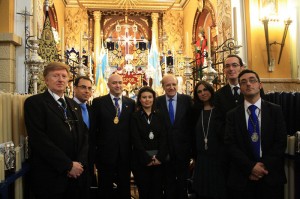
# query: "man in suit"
{"points": [[176, 108], [256, 141], [228, 97], [58, 139], [112, 113], [83, 90]]}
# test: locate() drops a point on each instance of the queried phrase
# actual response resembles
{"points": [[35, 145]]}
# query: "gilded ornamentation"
{"points": [[76, 22], [173, 27]]}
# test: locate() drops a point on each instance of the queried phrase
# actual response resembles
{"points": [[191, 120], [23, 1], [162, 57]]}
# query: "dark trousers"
{"points": [[259, 190], [118, 174], [149, 181], [176, 175]]}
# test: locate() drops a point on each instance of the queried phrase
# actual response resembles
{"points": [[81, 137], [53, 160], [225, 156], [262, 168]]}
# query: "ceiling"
{"points": [[131, 5]]}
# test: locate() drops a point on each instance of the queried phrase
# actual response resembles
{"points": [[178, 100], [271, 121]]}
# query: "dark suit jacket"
{"points": [[179, 134], [224, 99], [112, 140], [53, 146], [273, 144]]}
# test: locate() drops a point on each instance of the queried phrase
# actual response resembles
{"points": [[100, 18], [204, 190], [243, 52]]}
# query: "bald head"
{"points": [[169, 84], [115, 85]]}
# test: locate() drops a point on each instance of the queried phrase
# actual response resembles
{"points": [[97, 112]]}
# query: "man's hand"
{"points": [[258, 171], [76, 170]]}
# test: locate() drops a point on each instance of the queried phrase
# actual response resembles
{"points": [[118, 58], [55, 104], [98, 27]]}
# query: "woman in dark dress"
{"points": [[149, 145], [209, 177]]}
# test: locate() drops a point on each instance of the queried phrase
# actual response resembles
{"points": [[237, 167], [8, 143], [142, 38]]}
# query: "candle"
{"points": [[15, 119], [208, 41], [291, 145], [62, 43], [234, 24], [186, 44], [35, 18], [2, 175], [80, 45], [1, 123]]}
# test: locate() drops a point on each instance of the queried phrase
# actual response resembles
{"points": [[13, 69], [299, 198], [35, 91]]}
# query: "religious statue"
{"points": [[201, 47]]}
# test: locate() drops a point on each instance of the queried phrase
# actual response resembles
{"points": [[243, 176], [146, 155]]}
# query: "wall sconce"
{"points": [[265, 22]]}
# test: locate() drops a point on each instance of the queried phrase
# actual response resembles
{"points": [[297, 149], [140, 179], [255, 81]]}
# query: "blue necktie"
{"points": [[171, 111], [85, 114], [253, 129], [116, 99]]}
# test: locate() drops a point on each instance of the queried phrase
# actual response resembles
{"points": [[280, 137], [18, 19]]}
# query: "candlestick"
{"points": [[62, 43], [208, 41], [186, 43], [80, 45], [35, 18], [234, 24]]}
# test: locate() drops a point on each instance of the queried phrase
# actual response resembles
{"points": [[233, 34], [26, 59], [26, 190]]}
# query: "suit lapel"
{"points": [[264, 121], [164, 108], [124, 106], [53, 105], [178, 107], [110, 105]]}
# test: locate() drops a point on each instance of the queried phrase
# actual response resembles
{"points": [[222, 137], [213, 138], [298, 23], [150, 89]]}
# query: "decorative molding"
{"points": [[11, 38]]}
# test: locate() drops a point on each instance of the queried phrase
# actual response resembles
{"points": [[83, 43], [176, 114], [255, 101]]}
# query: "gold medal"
{"points": [[116, 120], [254, 137]]}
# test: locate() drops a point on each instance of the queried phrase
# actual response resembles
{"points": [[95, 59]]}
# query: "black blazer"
{"points": [[224, 99], [140, 130], [111, 139], [53, 146], [180, 133], [273, 144]]}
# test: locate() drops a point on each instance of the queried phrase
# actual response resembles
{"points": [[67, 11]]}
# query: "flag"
{"points": [[100, 82], [153, 62]]}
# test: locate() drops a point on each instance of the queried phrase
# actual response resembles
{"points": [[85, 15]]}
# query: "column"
{"points": [[97, 44], [154, 18], [8, 43]]}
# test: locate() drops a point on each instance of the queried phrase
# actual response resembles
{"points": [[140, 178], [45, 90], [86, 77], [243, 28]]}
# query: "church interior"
{"points": [[142, 40]]}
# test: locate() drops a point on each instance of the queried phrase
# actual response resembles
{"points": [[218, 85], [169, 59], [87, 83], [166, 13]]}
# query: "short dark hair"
{"points": [[248, 71], [52, 66], [209, 87], [141, 91], [81, 77], [236, 56]]}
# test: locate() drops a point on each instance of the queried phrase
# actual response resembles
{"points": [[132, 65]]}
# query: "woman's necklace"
{"points": [[207, 130]]}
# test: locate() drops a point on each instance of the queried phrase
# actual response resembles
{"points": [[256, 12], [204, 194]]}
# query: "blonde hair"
{"points": [[52, 66]]}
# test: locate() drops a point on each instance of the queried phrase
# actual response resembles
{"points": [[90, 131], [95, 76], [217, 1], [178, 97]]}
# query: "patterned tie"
{"points": [[253, 129], [116, 99], [63, 102], [85, 114], [236, 94], [171, 111]]}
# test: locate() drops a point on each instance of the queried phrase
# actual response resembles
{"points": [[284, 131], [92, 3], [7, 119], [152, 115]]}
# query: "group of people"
{"points": [[236, 139]]}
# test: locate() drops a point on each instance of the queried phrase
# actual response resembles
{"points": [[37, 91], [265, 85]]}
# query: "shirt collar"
{"points": [[174, 98], [78, 101], [112, 97], [257, 104], [55, 96]]}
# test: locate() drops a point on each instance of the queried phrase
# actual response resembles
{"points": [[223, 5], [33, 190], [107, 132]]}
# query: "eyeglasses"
{"points": [[250, 80], [83, 87], [234, 65]]}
